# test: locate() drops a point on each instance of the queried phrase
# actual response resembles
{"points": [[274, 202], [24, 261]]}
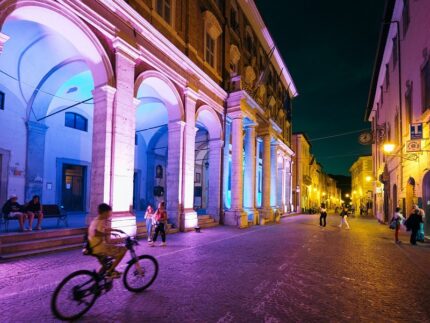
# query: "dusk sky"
{"points": [[329, 48]]}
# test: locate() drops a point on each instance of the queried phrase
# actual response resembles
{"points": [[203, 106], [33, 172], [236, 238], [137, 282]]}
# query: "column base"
{"points": [[266, 216], [253, 215], [124, 221], [237, 218], [188, 220], [213, 212]]}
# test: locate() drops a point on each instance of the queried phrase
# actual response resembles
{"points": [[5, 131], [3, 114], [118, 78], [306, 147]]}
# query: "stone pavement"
{"points": [[292, 272]]}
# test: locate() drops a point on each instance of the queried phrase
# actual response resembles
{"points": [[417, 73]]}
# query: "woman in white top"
{"points": [[398, 217], [149, 218]]}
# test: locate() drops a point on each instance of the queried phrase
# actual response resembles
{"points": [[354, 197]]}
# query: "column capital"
{"points": [[235, 115], [136, 102], [37, 127], [125, 49], [103, 92], [3, 39], [191, 94], [216, 143], [176, 125]]}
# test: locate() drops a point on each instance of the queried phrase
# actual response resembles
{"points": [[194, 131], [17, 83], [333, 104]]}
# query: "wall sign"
{"points": [[416, 131], [413, 146]]}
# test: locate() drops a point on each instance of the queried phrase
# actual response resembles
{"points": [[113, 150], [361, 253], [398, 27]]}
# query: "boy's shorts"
{"points": [[110, 250]]}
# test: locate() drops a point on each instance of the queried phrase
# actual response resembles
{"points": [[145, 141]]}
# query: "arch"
{"points": [[426, 198], [71, 27], [208, 118], [164, 90]]}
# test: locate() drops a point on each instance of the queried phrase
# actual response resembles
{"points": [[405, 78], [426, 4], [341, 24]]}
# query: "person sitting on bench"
{"points": [[12, 209], [34, 209]]}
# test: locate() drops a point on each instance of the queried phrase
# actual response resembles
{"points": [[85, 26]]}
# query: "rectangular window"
{"points": [[2, 96], [408, 102], [406, 16], [425, 81], [210, 50], [387, 76], [396, 129], [382, 96], [395, 52], [164, 9]]}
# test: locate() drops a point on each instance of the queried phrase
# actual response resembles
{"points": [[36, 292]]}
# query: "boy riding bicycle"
{"points": [[99, 232]]}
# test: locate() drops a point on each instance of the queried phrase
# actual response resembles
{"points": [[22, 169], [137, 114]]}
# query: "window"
{"points": [[2, 100], [234, 21], [387, 76], [408, 102], [395, 52], [425, 81], [396, 129], [164, 10], [76, 121], [210, 50], [211, 34], [382, 95], [249, 41], [406, 16]]}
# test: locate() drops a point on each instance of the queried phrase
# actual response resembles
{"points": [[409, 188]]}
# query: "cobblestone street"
{"points": [[293, 272]]}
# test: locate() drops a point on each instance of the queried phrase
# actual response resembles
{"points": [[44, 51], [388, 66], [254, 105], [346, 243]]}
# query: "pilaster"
{"points": [[266, 212], [214, 201], [249, 180]]}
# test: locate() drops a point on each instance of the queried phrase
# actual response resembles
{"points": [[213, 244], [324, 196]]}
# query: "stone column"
{"points": [[226, 159], [113, 142], [274, 176], [36, 133], [103, 98], [249, 179], [236, 215], [280, 186], [266, 210], [288, 185], [188, 218], [174, 171], [214, 160]]}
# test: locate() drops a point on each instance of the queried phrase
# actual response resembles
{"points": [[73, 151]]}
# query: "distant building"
{"points": [[311, 186], [399, 110], [362, 184]]}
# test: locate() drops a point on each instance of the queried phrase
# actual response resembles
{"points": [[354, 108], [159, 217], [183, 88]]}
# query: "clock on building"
{"points": [[365, 138]]}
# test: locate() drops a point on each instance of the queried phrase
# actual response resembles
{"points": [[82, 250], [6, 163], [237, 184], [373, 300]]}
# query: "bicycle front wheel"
{"points": [[75, 295], [140, 273]]}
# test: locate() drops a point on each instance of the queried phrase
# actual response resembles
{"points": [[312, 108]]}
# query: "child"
{"points": [[398, 218], [149, 218], [98, 234]]}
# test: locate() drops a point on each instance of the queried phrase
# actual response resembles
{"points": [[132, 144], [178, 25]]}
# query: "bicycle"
{"points": [[81, 288]]}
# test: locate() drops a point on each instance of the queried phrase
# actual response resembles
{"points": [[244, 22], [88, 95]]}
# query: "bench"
{"points": [[49, 211]]}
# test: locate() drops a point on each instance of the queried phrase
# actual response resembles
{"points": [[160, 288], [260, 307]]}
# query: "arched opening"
{"points": [[395, 199], [157, 145], [207, 168], [426, 201], [49, 67], [410, 195]]}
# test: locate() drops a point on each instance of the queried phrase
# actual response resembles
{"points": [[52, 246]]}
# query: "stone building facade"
{"points": [[311, 186], [362, 184], [141, 101], [399, 110]]}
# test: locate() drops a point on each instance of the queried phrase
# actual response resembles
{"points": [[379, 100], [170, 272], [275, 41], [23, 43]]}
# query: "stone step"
{"points": [[204, 217], [39, 251], [25, 246], [204, 221], [209, 225], [14, 237]]}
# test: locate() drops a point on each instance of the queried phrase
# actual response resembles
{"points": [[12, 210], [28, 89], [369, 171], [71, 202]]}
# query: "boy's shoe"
{"points": [[163, 244], [113, 275], [151, 244]]}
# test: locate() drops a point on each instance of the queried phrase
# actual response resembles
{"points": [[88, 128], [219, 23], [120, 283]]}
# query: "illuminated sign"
{"points": [[416, 131]]}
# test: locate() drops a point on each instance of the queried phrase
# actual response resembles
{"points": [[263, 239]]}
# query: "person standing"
{"points": [[397, 218], [149, 218], [413, 223], [344, 217], [323, 215], [420, 234], [160, 224], [34, 209]]}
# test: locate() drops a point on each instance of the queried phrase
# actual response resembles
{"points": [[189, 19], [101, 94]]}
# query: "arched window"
{"points": [[76, 121]]}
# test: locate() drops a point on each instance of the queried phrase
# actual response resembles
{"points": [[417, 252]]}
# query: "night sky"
{"points": [[329, 48]]}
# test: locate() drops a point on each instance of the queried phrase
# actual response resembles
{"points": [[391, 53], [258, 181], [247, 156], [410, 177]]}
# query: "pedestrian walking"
{"points": [[420, 234], [150, 220], [160, 224], [413, 223], [323, 215], [344, 217], [395, 223]]}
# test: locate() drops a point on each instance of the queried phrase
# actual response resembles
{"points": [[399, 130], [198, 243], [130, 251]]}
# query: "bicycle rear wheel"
{"points": [[75, 295], [140, 273]]}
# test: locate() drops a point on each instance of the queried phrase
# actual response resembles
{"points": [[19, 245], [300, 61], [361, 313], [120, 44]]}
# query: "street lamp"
{"points": [[388, 148], [368, 178], [346, 195]]}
